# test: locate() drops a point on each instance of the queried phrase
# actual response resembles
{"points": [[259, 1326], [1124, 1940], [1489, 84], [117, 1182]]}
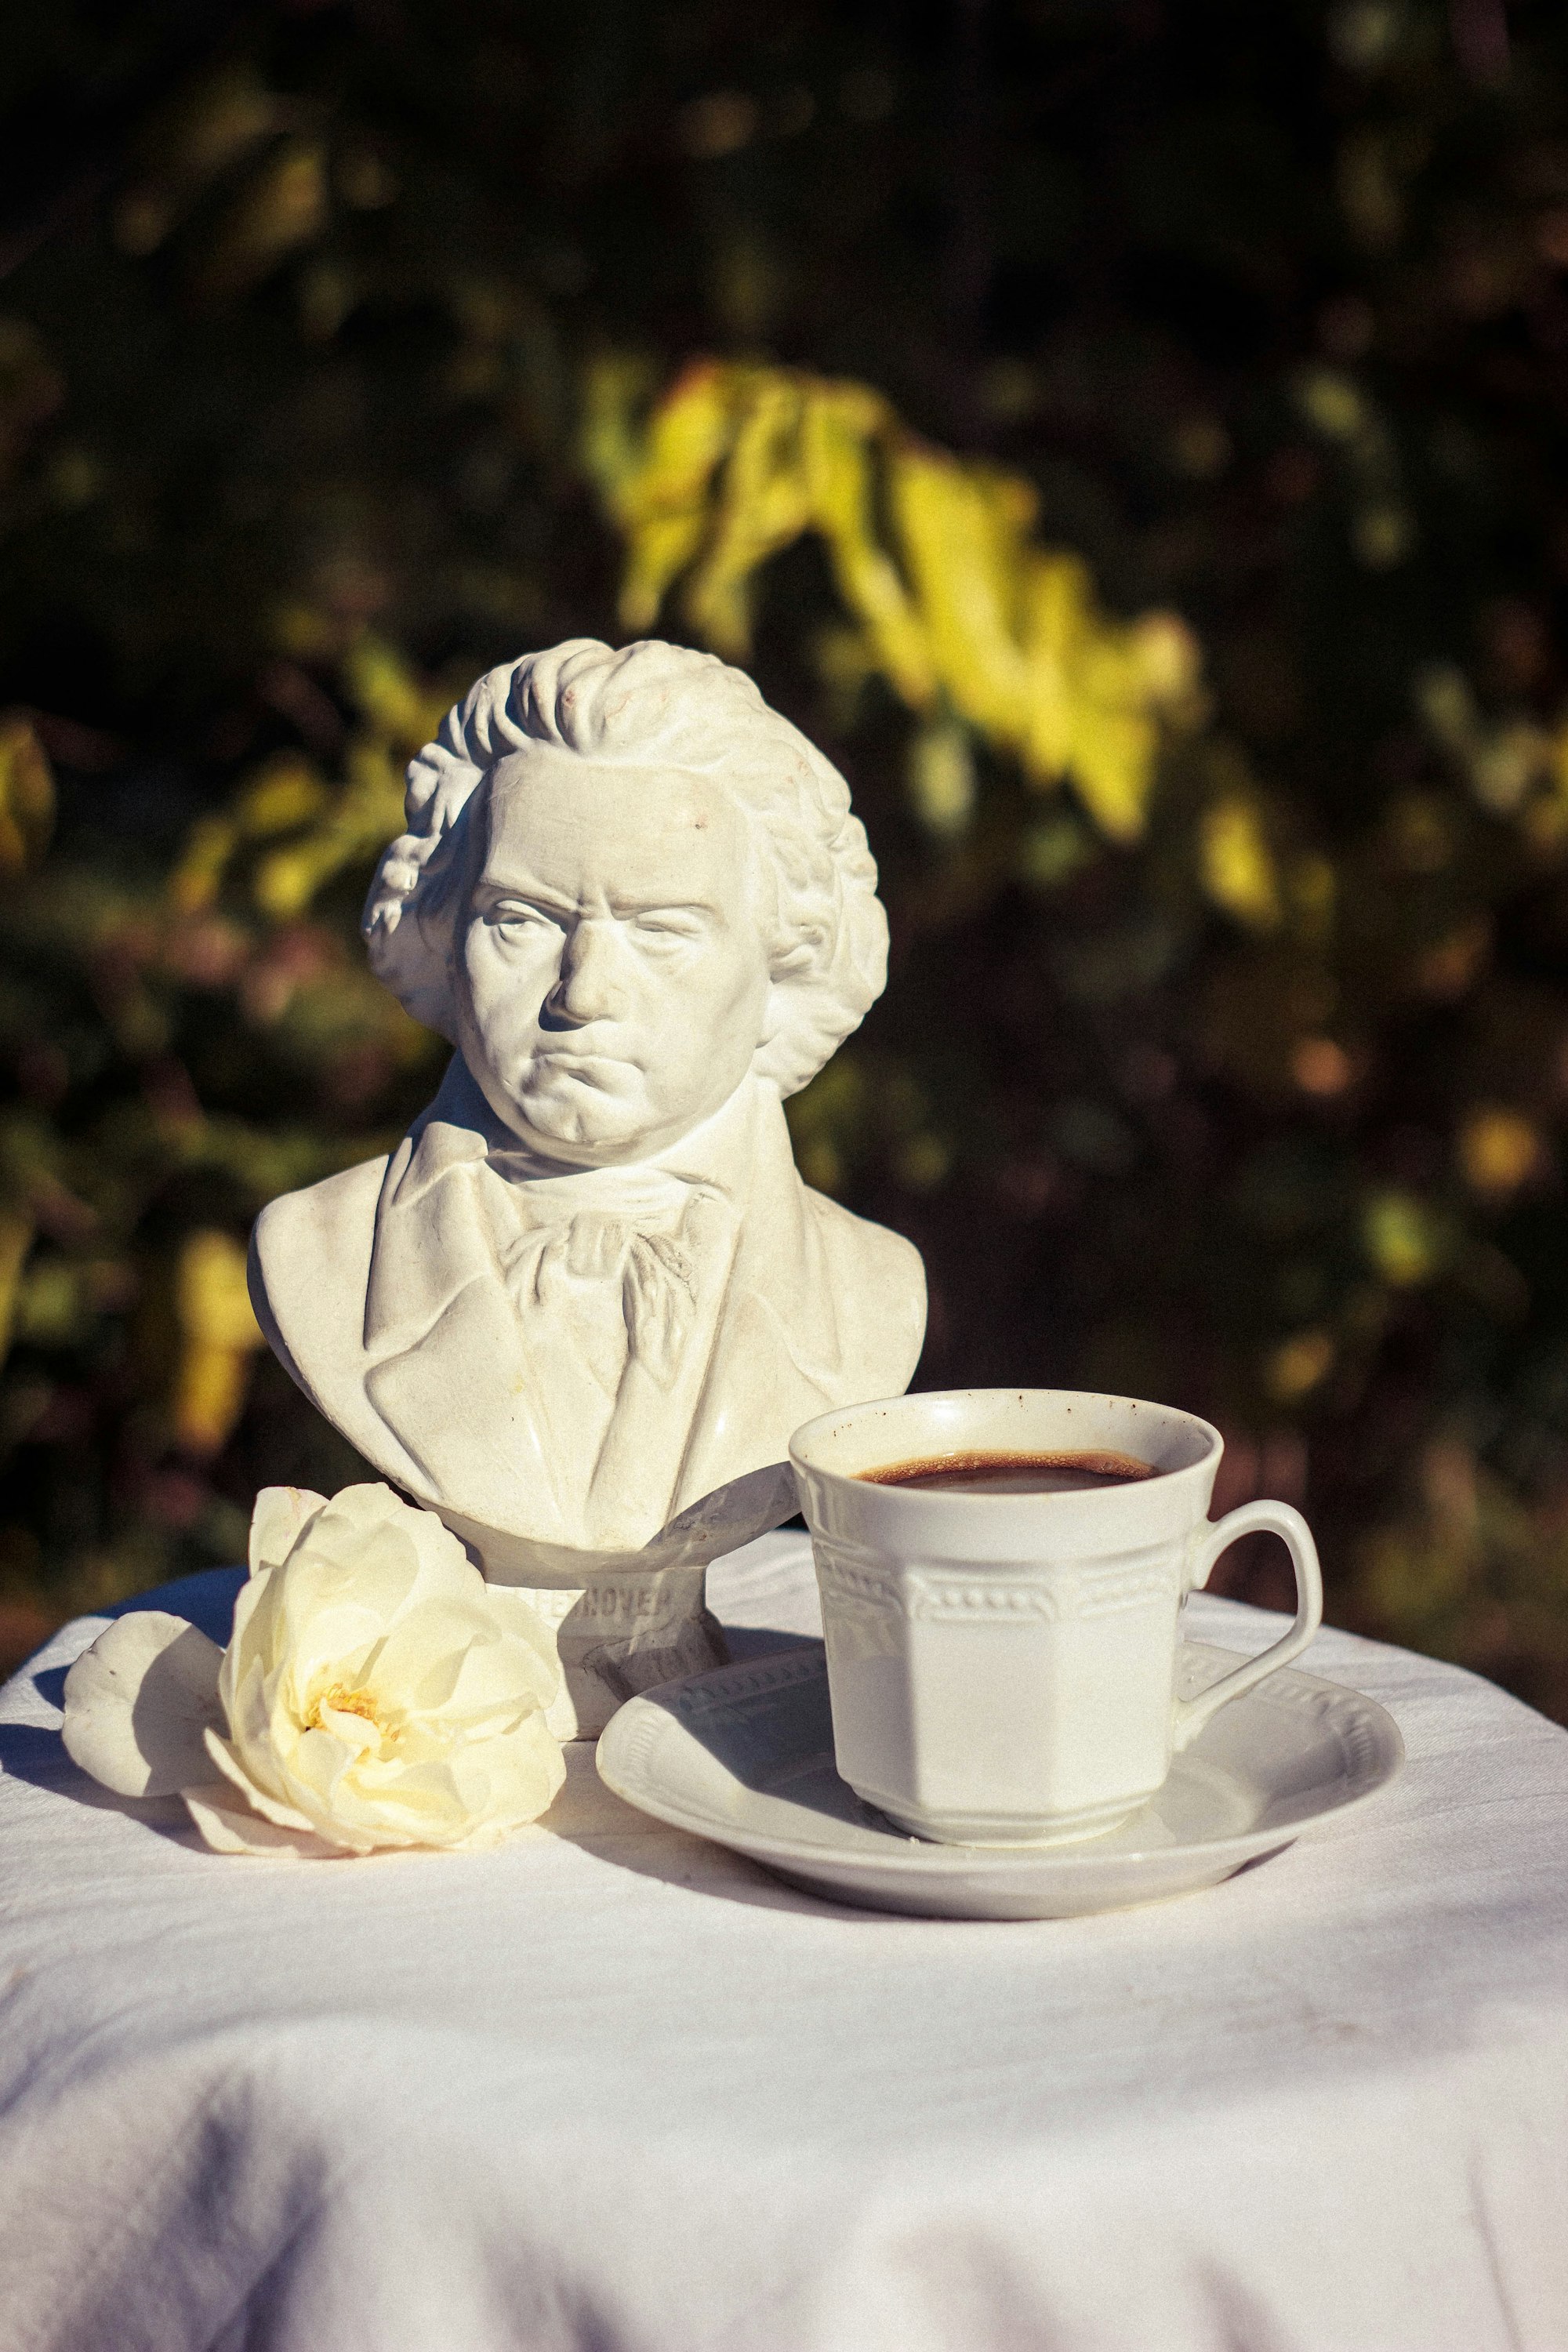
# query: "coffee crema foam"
{"points": [[994, 1472]]}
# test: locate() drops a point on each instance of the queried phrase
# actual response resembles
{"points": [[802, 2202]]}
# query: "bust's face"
{"points": [[611, 979]]}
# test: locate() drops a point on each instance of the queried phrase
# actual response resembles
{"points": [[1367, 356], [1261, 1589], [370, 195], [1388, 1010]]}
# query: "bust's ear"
{"points": [[776, 1009]]}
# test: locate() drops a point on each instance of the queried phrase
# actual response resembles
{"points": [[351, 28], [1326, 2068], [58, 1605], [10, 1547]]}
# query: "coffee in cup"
{"points": [[1001, 1649], [1013, 1473]]}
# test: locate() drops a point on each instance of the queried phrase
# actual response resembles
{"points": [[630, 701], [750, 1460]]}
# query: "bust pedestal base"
{"points": [[620, 1633], [625, 1621]]}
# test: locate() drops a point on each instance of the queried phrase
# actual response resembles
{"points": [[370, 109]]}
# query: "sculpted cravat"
{"points": [[606, 1273], [628, 1269]]}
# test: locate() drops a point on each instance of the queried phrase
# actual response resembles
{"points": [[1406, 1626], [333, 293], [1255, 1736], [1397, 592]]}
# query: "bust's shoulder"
{"points": [[336, 1212], [857, 1241], [309, 1251], [880, 1288], [310, 1272]]}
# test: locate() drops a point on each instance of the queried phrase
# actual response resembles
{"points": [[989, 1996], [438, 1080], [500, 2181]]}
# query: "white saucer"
{"points": [[744, 1756]]}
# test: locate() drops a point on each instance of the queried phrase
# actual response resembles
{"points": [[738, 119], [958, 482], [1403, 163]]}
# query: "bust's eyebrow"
{"points": [[622, 906], [494, 892], [527, 893]]}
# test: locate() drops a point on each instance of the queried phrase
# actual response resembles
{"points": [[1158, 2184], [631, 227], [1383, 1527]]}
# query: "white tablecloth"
{"points": [[612, 2090]]}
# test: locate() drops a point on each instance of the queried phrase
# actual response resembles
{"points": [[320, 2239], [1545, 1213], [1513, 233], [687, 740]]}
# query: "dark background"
{"points": [[1266, 304]]}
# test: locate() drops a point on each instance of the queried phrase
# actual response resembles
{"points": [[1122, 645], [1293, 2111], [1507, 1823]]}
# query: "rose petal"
{"points": [[137, 1702], [497, 1676], [232, 1769], [281, 1516], [365, 1528], [516, 1614], [425, 1654], [233, 1829]]}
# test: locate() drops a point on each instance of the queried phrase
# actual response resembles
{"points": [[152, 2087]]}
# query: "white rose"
{"points": [[376, 1692]]}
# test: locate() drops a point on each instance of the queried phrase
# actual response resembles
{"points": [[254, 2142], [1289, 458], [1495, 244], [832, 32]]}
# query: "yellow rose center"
{"points": [[343, 1701]]}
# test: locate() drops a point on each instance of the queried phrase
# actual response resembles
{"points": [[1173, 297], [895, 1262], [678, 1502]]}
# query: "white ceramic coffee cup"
{"points": [[1002, 1665]]}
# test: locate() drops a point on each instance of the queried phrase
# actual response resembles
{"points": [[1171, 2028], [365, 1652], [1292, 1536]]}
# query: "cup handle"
{"points": [[1252, 1519]]}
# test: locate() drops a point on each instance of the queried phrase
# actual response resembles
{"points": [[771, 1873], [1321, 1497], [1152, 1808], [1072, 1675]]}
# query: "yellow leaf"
{"points": [[691, 429], [26, 796], [1557, 760], [840, 459], [209, 1394], [197, 878], [204, 134], [1297, 1365], [763, 505], [941, 778], [1167, 658], [15, 1241], [366, 815], [282, 796], [287, 880], [1124, 685], [960, 544], [1332, 403], [284, 207], [663, 508], [1055, 624], [610, 439], [1236, 865], [1401, 1239], [1113, 766], [218, 1334], [285, 793], [212, 1297], [391, 695]]}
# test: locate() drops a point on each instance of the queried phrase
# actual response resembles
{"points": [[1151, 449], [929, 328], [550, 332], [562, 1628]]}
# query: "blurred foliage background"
{"points": [[1122, 432]]}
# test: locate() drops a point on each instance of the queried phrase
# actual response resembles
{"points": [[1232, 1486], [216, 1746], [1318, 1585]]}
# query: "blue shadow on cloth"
{"points": [[33, 1751], [206, 1597]]}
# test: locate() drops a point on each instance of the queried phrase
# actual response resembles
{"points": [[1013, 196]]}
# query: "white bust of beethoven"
{"points": [[589, 1287]]}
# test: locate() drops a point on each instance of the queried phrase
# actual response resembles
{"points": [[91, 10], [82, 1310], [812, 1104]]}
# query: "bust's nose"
{"points": [[589, 987]]}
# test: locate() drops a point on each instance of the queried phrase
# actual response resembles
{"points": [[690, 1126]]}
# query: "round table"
{"points": [[612, 2089]]}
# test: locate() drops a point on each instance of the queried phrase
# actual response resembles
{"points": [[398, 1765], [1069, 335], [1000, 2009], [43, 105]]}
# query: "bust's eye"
{"points": [[661, 928], [514, 918]]}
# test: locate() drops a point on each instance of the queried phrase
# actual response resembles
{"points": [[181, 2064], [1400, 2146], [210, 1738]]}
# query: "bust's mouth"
{"points": [[591, 1068]]}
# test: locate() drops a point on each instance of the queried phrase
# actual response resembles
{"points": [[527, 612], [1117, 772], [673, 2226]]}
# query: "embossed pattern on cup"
{"points": [[1001, 1665]]}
